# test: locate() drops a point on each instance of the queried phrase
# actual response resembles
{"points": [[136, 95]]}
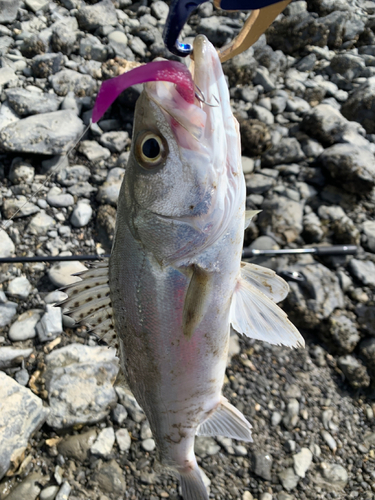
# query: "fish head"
{"points": [[184, 177]]}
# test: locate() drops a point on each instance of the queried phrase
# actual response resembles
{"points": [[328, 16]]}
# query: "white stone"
{"points": [[148, 444], [302, 461], [24, 327], [36, 5], [104, 442], [81, 214], [41, 223], [123, 439], [19, 287], [50, 326], [7, 247]]}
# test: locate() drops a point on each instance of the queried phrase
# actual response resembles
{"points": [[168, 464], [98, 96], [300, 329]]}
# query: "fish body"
{"points": [[175, 283]]}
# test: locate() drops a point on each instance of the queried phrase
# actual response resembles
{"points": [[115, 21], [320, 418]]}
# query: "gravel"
{"points": [[304, 95]]}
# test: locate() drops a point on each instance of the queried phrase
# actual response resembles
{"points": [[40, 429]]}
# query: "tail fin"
{"points": [[192, 485]]}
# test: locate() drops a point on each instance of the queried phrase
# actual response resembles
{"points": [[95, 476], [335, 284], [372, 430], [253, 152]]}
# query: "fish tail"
{"points": [[192, 484]]}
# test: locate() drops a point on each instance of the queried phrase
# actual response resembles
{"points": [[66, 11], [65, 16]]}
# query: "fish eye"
{"points": [[150, 150]]}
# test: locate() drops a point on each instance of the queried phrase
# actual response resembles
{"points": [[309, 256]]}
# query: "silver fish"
{"points": [[175, 284]]}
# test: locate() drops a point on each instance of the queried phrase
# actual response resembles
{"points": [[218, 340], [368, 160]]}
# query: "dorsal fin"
{"points": [[89, 303]]}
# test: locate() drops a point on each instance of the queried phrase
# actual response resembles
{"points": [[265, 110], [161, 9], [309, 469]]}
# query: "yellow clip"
{"points": [[255, 25]]}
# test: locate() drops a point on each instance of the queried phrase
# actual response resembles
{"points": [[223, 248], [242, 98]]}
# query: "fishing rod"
{"points": [[246, 254]]}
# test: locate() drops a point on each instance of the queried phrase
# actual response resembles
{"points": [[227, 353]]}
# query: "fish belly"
{"points": [[176, 379]]}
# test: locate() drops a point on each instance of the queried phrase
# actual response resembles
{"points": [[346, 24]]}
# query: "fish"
{"points": [[174, 286]]}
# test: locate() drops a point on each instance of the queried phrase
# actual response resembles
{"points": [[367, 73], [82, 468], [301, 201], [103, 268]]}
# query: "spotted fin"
{"points": [[226, 421], [89, 303], [265, 280], [257, 316]]}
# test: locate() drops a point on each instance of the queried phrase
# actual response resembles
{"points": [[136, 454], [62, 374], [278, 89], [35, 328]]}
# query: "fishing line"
{"points": [[6, 224]]}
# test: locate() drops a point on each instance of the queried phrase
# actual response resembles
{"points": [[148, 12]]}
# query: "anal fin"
{"points": [[226, 421]]}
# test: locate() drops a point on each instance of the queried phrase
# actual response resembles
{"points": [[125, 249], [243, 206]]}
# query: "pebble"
{"points": [[56, 198], [77, 446], [19, 287], [81, 214], [7, 312], [78, 382], [111, 479], [329, 440], [148, 444], [334, 473], [130, 403], [21, 414], [103, 445], [7, 248], [302, 461], [262, 464], [119, 415], [61, 274], [49, 493], [41, 223], [94, 151], [363, 270], [24, 327], [21, 172], [29, 488], [123, 439], [50, 326], [22, 377], [64, 491]]}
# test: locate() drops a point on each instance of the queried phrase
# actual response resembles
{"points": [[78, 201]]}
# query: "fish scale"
{"points": [[175, 278]]}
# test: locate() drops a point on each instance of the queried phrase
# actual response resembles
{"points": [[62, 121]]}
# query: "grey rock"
{"points": [[123, 439], [291, 417], [49, 493], [119, 414], [312, 228], [61, 274], [49, 133], [21, 172], [64, 491], [19, 287], [108, 193], [7, 247], [369, 232], [367, 350], [22, 377], [282, 216], [160, 10], [81, 214], [50, 326], [18, 207], [284, 496], [79, 383], [81, 188], [130, 403], [69, 176], [361, 105], [103, 444], [110, 478], [262, 114], [36, 5], [29, 488], [350, 66], [146, 432], [5, 43], [6, 74], [247, 165], [242, 68], [91, 17], [262, 464], [334, 474], [78, 445], [56, 198], [262, 77], [45, 65], [276, 418], [354, 371], [302, 461], [41, 223], [119, 42], [317, 298], [288, 150], [288, 479], [205, 446], [307, 63], [72, 102], [7, 312], [68, 80], [114, 141], [10, 357], [353, 165], [342, 334], [7, 115], [259, 183], [93, 151], [366, 318], [8, 11], [24, 327], [328, 126], [25, 102], [363, 270], [91, 47], [21, 414]]}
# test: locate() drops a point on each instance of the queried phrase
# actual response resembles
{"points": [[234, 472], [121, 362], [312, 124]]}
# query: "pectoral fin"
{"points": [[255, 315], [195, 304], [265, 280], [226, 421], [249, 215]]}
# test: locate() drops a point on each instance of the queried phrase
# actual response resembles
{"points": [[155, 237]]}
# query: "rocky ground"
{"points": [[305, 98]]}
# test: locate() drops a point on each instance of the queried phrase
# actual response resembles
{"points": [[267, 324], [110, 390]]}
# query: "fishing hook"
{"points": [[201, 98]]}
